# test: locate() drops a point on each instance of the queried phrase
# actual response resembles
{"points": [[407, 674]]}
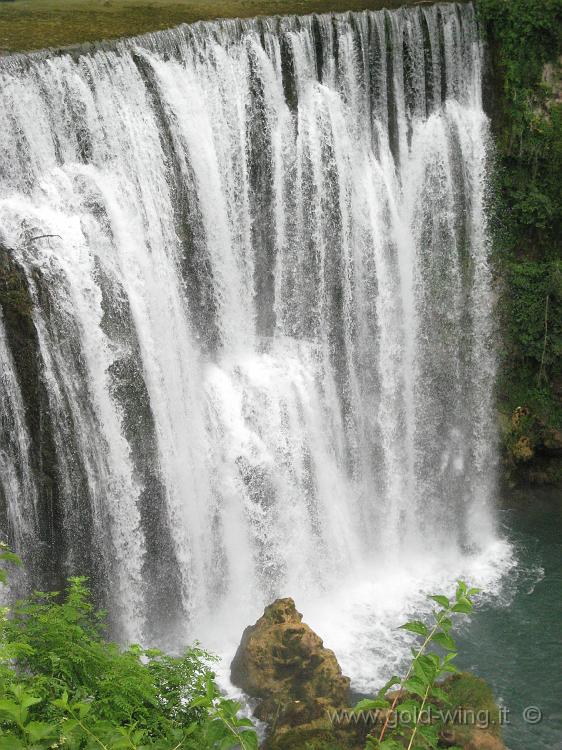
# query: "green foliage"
{"points": [[529, 286], [420, 692], [6, 556], [525, 43], [63, 685], [524, 36], [532, 321], [533, 324]]}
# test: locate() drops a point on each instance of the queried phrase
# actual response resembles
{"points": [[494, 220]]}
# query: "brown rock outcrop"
{"points": [[283, 663]]}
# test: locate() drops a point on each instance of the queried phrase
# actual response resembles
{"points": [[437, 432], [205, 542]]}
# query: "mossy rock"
{"points": [[311, 738], [472, 700], [283, 663], [468, 690]]}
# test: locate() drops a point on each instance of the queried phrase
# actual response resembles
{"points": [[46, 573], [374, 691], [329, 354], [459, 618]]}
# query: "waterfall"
{"points": [[257, 263]]}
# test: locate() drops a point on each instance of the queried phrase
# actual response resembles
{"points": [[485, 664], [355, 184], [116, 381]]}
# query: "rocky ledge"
{"points": [[298, 687]]}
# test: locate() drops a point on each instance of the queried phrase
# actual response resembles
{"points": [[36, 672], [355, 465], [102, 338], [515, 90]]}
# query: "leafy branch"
{"points": [[420, 721]]}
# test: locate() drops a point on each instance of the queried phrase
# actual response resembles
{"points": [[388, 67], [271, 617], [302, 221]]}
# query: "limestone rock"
{"points": [[283, 663]]}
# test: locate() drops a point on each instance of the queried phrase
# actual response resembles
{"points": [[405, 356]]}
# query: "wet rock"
{"points": [[16, 310], [284, 665]]}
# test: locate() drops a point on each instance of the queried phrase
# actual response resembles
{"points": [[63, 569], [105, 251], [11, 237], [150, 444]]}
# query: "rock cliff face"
{"points": [[16, 307], [523, 97]]}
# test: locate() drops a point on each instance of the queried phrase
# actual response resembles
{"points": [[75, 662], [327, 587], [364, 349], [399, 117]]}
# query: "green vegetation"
{"points": [[525, 43], [420, 699], [35, 24], [63, 685]]}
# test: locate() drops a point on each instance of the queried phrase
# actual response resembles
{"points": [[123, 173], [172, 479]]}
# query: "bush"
{"points": [[63, 685]]}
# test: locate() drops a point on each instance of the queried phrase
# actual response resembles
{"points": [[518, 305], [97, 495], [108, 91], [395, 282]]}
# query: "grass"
{"points": [[34, 24]]}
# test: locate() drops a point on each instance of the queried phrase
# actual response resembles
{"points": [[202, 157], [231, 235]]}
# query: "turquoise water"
{"points": [[516, 643]]}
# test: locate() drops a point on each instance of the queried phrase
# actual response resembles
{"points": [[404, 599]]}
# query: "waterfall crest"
{"points": [[264, 321]]}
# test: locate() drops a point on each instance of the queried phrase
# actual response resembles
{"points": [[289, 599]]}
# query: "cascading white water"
{"points": [[264, 325]]}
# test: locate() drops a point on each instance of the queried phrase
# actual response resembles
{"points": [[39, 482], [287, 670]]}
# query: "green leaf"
{"points": [[369, 704], [445, 641], [245, 722], [191, 729], [429, 733], [450, 667], [424, 669], [249, 740], [440, 695], [419, 672], [10, 708], [407, 706], [137, 736], [10, 743], [216, 731], [421, 675], [61, 702], [69, 725], [229, 708], [463, 605], [40, 730], [29, 700], [436, 661], [415, 626], [441, 600], [445, 623], [203, 700], [210, 688], [122, 743], [416, 686], [394, 680], [461, 590], [82, 708]]}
